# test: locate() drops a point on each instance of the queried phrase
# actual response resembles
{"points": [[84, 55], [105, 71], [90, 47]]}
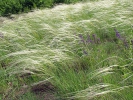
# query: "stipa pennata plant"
{"points": [[116, 77], [42, 40], [119, 40], [126, 43], [93, 39]]}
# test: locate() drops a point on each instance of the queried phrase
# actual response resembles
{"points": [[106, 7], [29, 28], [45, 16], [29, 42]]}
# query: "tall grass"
{"points": [[53, 45]]}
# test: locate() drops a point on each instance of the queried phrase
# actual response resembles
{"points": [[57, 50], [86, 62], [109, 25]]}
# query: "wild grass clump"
{"points": [[81, 51]]}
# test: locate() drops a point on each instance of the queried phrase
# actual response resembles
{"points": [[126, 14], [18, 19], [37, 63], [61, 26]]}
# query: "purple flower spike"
{"points": [[80, 35], [82, 39], [117, 34], [88, 39], [94, 37]]}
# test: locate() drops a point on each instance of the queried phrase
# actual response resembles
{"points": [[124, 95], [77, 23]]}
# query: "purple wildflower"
{"points": [[82, 39], [88, 39], [117, 34]]}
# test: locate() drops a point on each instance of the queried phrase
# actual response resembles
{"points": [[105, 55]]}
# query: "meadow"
{"points": [[81, 51]]}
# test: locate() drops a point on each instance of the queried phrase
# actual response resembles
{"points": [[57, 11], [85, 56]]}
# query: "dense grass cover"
{"points": [[8, 7], [73, 52]]}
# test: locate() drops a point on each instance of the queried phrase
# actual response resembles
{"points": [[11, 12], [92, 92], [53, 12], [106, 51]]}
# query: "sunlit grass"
{"points": [[46, 43]]}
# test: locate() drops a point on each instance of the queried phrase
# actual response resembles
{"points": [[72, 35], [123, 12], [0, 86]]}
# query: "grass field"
{"points": [[81, 51]]}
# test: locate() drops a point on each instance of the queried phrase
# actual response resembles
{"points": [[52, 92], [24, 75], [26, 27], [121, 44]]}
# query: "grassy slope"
{"points": [[45, 43]]}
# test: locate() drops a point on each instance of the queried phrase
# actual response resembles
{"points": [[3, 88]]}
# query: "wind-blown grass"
{"points": [[46, 43]]}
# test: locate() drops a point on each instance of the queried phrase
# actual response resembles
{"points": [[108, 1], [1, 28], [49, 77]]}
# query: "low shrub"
{"points": [[8, 7]]}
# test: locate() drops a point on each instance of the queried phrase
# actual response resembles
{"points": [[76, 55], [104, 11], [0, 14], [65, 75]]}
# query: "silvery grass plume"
{"points": [[69, 18], [101, 89], [39, 39], [96, 91]]}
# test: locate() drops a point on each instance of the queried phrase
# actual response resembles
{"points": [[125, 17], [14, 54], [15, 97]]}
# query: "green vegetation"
{"points": [[8, 7], [70, 52]]}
